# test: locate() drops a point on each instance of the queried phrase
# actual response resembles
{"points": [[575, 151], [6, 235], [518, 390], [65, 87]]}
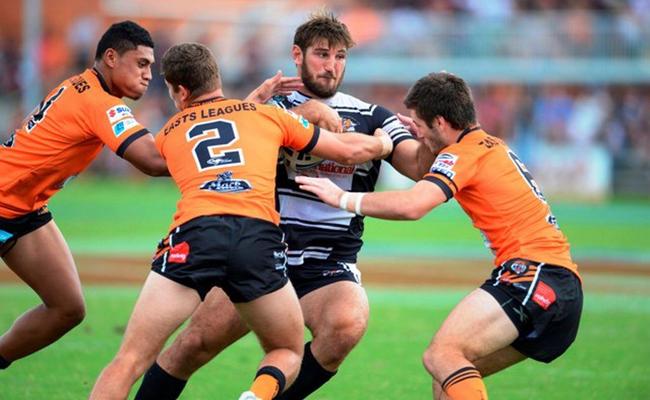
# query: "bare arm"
{"points": [[277, 84], [411, 204], [412, 158], [352, 148], [144, 155]]}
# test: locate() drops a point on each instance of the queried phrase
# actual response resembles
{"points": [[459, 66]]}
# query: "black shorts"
{"points": [[543, 301], [246, 257], [313, 275], [12, 229]]}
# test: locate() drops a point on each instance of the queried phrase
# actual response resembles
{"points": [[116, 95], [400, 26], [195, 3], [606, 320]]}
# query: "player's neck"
{"points": [[106, 79], [213, 95]]}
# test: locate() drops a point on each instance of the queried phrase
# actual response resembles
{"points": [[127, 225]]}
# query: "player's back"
{"points": [[60, 139], [222, 153], [503, 200]]}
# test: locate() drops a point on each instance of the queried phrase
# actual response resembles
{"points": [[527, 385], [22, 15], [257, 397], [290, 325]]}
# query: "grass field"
{"points": [[124, 221]]}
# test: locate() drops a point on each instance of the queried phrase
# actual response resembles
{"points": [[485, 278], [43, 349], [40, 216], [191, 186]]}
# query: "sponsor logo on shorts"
{"points": [[118, 112], [123, 126], [179, 253], [544, 295], [444, 164], [225, 183], [519, 267], [280, 260]]}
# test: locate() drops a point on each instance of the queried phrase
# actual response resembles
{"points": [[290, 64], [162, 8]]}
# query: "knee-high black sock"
{"points": [[157, 384], [4, 364], [311, 377]]}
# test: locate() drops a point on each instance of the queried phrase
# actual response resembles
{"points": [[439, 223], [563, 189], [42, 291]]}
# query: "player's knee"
{"points": [[194, 344], [132, 363], [71, 315], [340, 338], [428, 360]]}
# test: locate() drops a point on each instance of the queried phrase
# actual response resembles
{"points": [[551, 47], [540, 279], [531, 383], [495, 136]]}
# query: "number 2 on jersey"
{"points": [[215, 134]]}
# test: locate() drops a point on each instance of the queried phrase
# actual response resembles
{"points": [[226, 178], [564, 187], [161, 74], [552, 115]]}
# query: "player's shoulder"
{"points": [[346, 102], [477, 144], [89, 90]]}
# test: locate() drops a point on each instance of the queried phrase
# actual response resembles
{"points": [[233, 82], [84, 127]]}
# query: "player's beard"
{"points": [[319, 90], [434, 141]]}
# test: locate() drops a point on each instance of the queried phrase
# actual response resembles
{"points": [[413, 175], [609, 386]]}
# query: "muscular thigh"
{"points": [[42, 259], [477, 327], [339, 303]]}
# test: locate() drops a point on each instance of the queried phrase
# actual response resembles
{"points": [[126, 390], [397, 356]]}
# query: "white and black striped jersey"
{"points": [[313, 230]]}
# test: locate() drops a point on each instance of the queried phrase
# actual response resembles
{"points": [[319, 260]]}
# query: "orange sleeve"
{"points": [[299, 134], [453, 169], [114, 124]]}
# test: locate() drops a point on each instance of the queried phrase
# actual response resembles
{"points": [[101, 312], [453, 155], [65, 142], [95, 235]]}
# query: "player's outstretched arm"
{"points": [[411, 204], [275, 85], [352, 148], [144, 155]]}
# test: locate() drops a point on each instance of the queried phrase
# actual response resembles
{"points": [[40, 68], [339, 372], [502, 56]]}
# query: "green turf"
{"points": [[121, 216], [609, 359]]}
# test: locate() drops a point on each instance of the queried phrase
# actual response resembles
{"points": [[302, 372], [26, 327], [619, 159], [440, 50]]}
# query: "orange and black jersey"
{"points": [[501, 197], [222, 154], [60, 139]]}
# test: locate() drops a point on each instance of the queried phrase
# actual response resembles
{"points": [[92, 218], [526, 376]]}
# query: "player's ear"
{"points": [[296, 54], [110, 57], [185, 94]]}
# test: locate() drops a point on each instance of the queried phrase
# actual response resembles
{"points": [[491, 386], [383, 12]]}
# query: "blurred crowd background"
{"points": [[566, 82]]}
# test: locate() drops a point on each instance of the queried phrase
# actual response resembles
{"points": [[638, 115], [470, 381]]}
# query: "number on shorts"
{"points": [[527, 176], [215, 134]]}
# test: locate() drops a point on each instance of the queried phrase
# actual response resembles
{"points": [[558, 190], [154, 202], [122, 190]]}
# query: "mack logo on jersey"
{"points": [[226, 184], [179, 253], [118, 112]]}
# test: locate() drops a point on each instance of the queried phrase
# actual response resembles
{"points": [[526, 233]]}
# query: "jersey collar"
{"points": [[466, 131], [101, 80], [208, 100]]}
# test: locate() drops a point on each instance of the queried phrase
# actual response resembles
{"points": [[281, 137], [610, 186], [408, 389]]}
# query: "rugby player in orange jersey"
{"points": [[55, 143], [530, 307], [222, 154]]}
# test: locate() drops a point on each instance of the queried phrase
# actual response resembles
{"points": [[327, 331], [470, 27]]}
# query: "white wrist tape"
{"points": [[357, 203], [386, 145], [343, 201]]}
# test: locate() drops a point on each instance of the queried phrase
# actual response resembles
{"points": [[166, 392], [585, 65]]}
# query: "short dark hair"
{"points": [[122, 37], [193, 66], [443, 94], [323, 25]]}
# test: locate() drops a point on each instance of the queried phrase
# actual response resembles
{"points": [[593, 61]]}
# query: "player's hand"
{"points": [[320, 114], [410, 125], [275, 85], [386, 142], [321, 187]]}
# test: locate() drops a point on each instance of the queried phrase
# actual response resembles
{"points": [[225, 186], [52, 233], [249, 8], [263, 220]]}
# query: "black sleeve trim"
{"points": [[120, 150], [399, 140], [442, 185], [312, 143]]}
